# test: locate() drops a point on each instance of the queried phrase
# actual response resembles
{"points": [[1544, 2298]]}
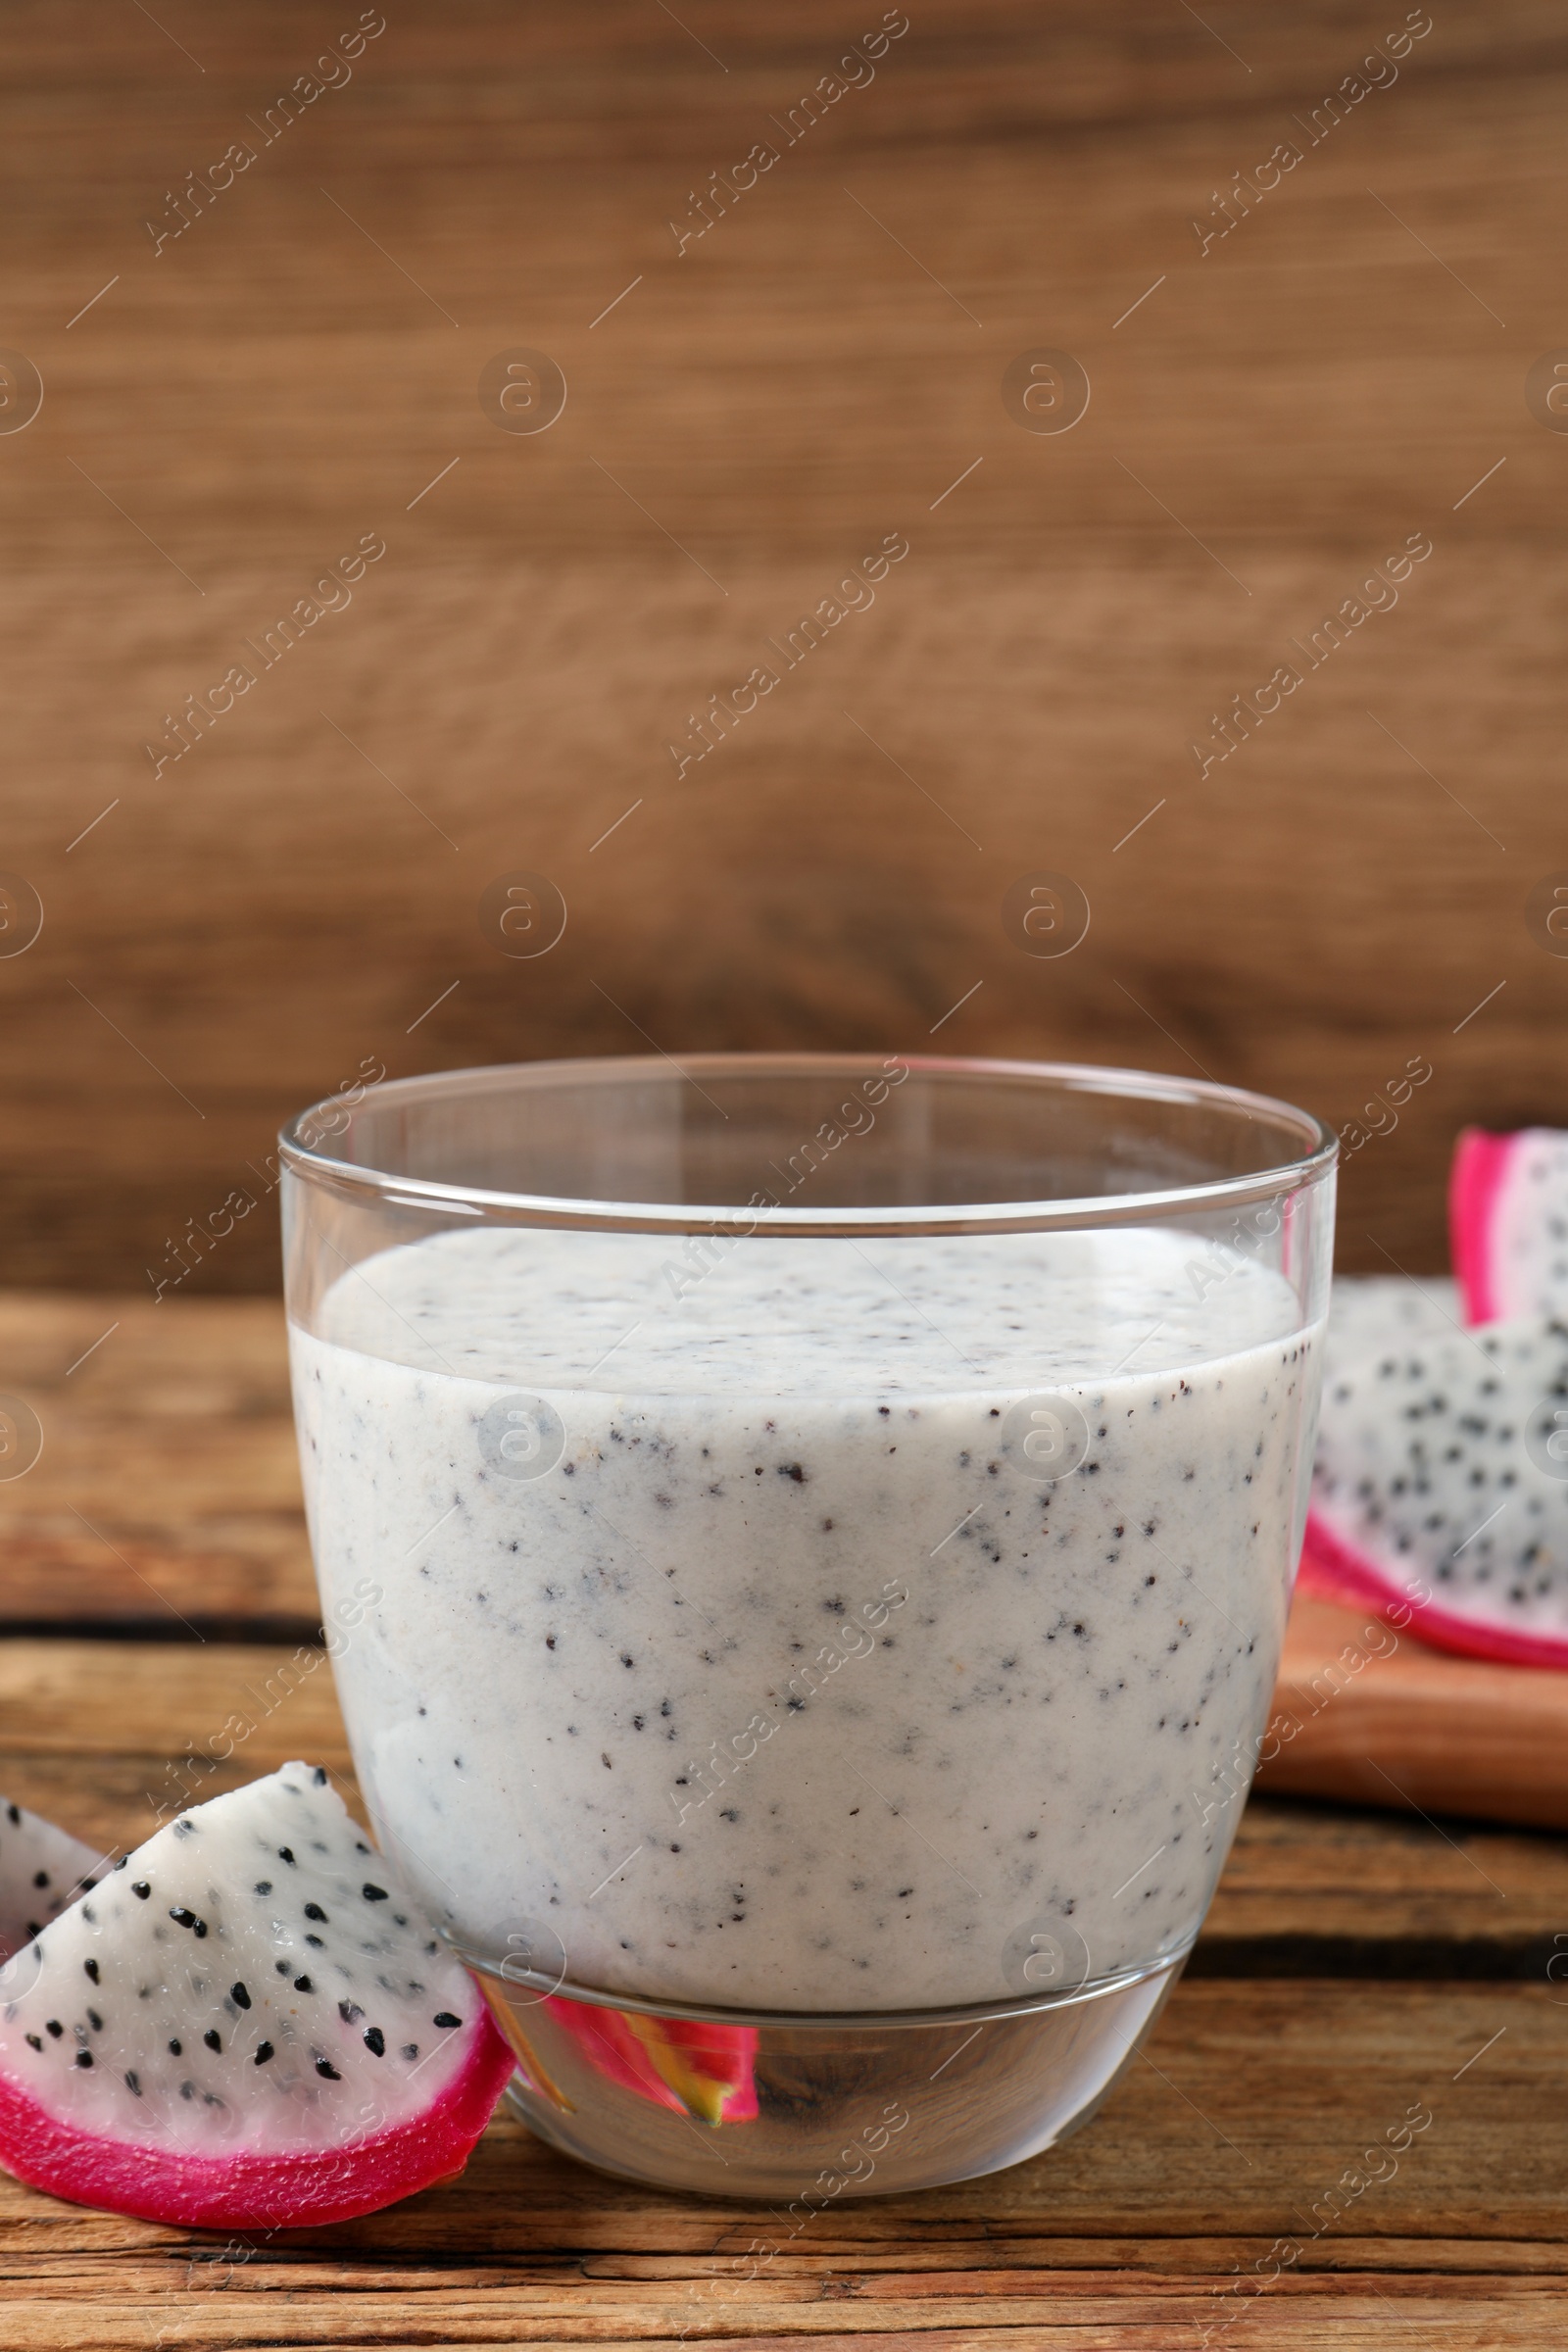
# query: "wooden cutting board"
{"points": [[1374, 1717]]}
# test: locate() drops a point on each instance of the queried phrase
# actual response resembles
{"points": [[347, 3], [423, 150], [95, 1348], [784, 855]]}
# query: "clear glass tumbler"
{"points": [[805, 1541]]}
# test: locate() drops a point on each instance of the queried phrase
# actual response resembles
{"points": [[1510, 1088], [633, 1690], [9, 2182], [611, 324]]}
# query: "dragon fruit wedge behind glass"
{"points": [[42, 1869], [1440, 1487], [1438, 1492], [1508, 1222]]}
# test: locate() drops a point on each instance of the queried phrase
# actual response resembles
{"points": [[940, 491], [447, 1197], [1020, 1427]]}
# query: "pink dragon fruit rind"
{"points": [[252, 2190], [1481, 1166], [1335, 1570]]}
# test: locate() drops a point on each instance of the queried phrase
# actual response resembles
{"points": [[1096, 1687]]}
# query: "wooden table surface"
{"points": [[1358, 1970]]}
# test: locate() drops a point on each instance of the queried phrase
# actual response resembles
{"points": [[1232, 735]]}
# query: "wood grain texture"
{"points": [[165, 1506], [1250, 2109], [236, 934], [1363, 1713], [167, 1499], [111, 1736], [176, 1423], [297, 369]]}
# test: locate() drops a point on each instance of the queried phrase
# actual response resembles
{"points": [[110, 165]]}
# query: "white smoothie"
{"points": [[785, 1684]]}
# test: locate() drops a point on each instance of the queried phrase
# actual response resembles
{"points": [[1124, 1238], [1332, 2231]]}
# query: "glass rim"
{"points": [[314, 1163]]}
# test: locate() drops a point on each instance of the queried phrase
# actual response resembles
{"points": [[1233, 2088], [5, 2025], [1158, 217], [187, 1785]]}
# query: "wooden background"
{"points": [[236, 409]]}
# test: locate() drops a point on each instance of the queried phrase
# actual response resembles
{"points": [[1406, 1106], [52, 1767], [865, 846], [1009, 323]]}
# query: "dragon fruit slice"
{"points": [[244, 2025], [1508, 1222], [1368, 1311], [698, 2067], [1372, 1313], [1441, 1488], [42, 1868]]}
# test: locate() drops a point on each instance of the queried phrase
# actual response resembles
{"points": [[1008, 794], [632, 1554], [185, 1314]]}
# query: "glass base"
{"points": [[809, 2109]]}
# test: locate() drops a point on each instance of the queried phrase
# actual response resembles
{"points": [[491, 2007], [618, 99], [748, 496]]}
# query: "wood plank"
{"points": [[243, 928], [1404, 2315], [167, 1495], [167, 1498], [98, 1734], [1402, 2320], [1254, 2104], [111, 1737], [1313, 1886], [173, 1441]]}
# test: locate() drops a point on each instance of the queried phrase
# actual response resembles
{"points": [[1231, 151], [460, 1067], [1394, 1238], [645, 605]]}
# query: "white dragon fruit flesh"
{"points": [[1367, 1311], [42, 1868], [1441, 1485], [1508, 1222], [245, 2024]]}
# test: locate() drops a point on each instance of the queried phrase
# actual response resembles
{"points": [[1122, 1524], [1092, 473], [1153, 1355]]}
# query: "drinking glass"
{"points": [[805, 1542]]}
